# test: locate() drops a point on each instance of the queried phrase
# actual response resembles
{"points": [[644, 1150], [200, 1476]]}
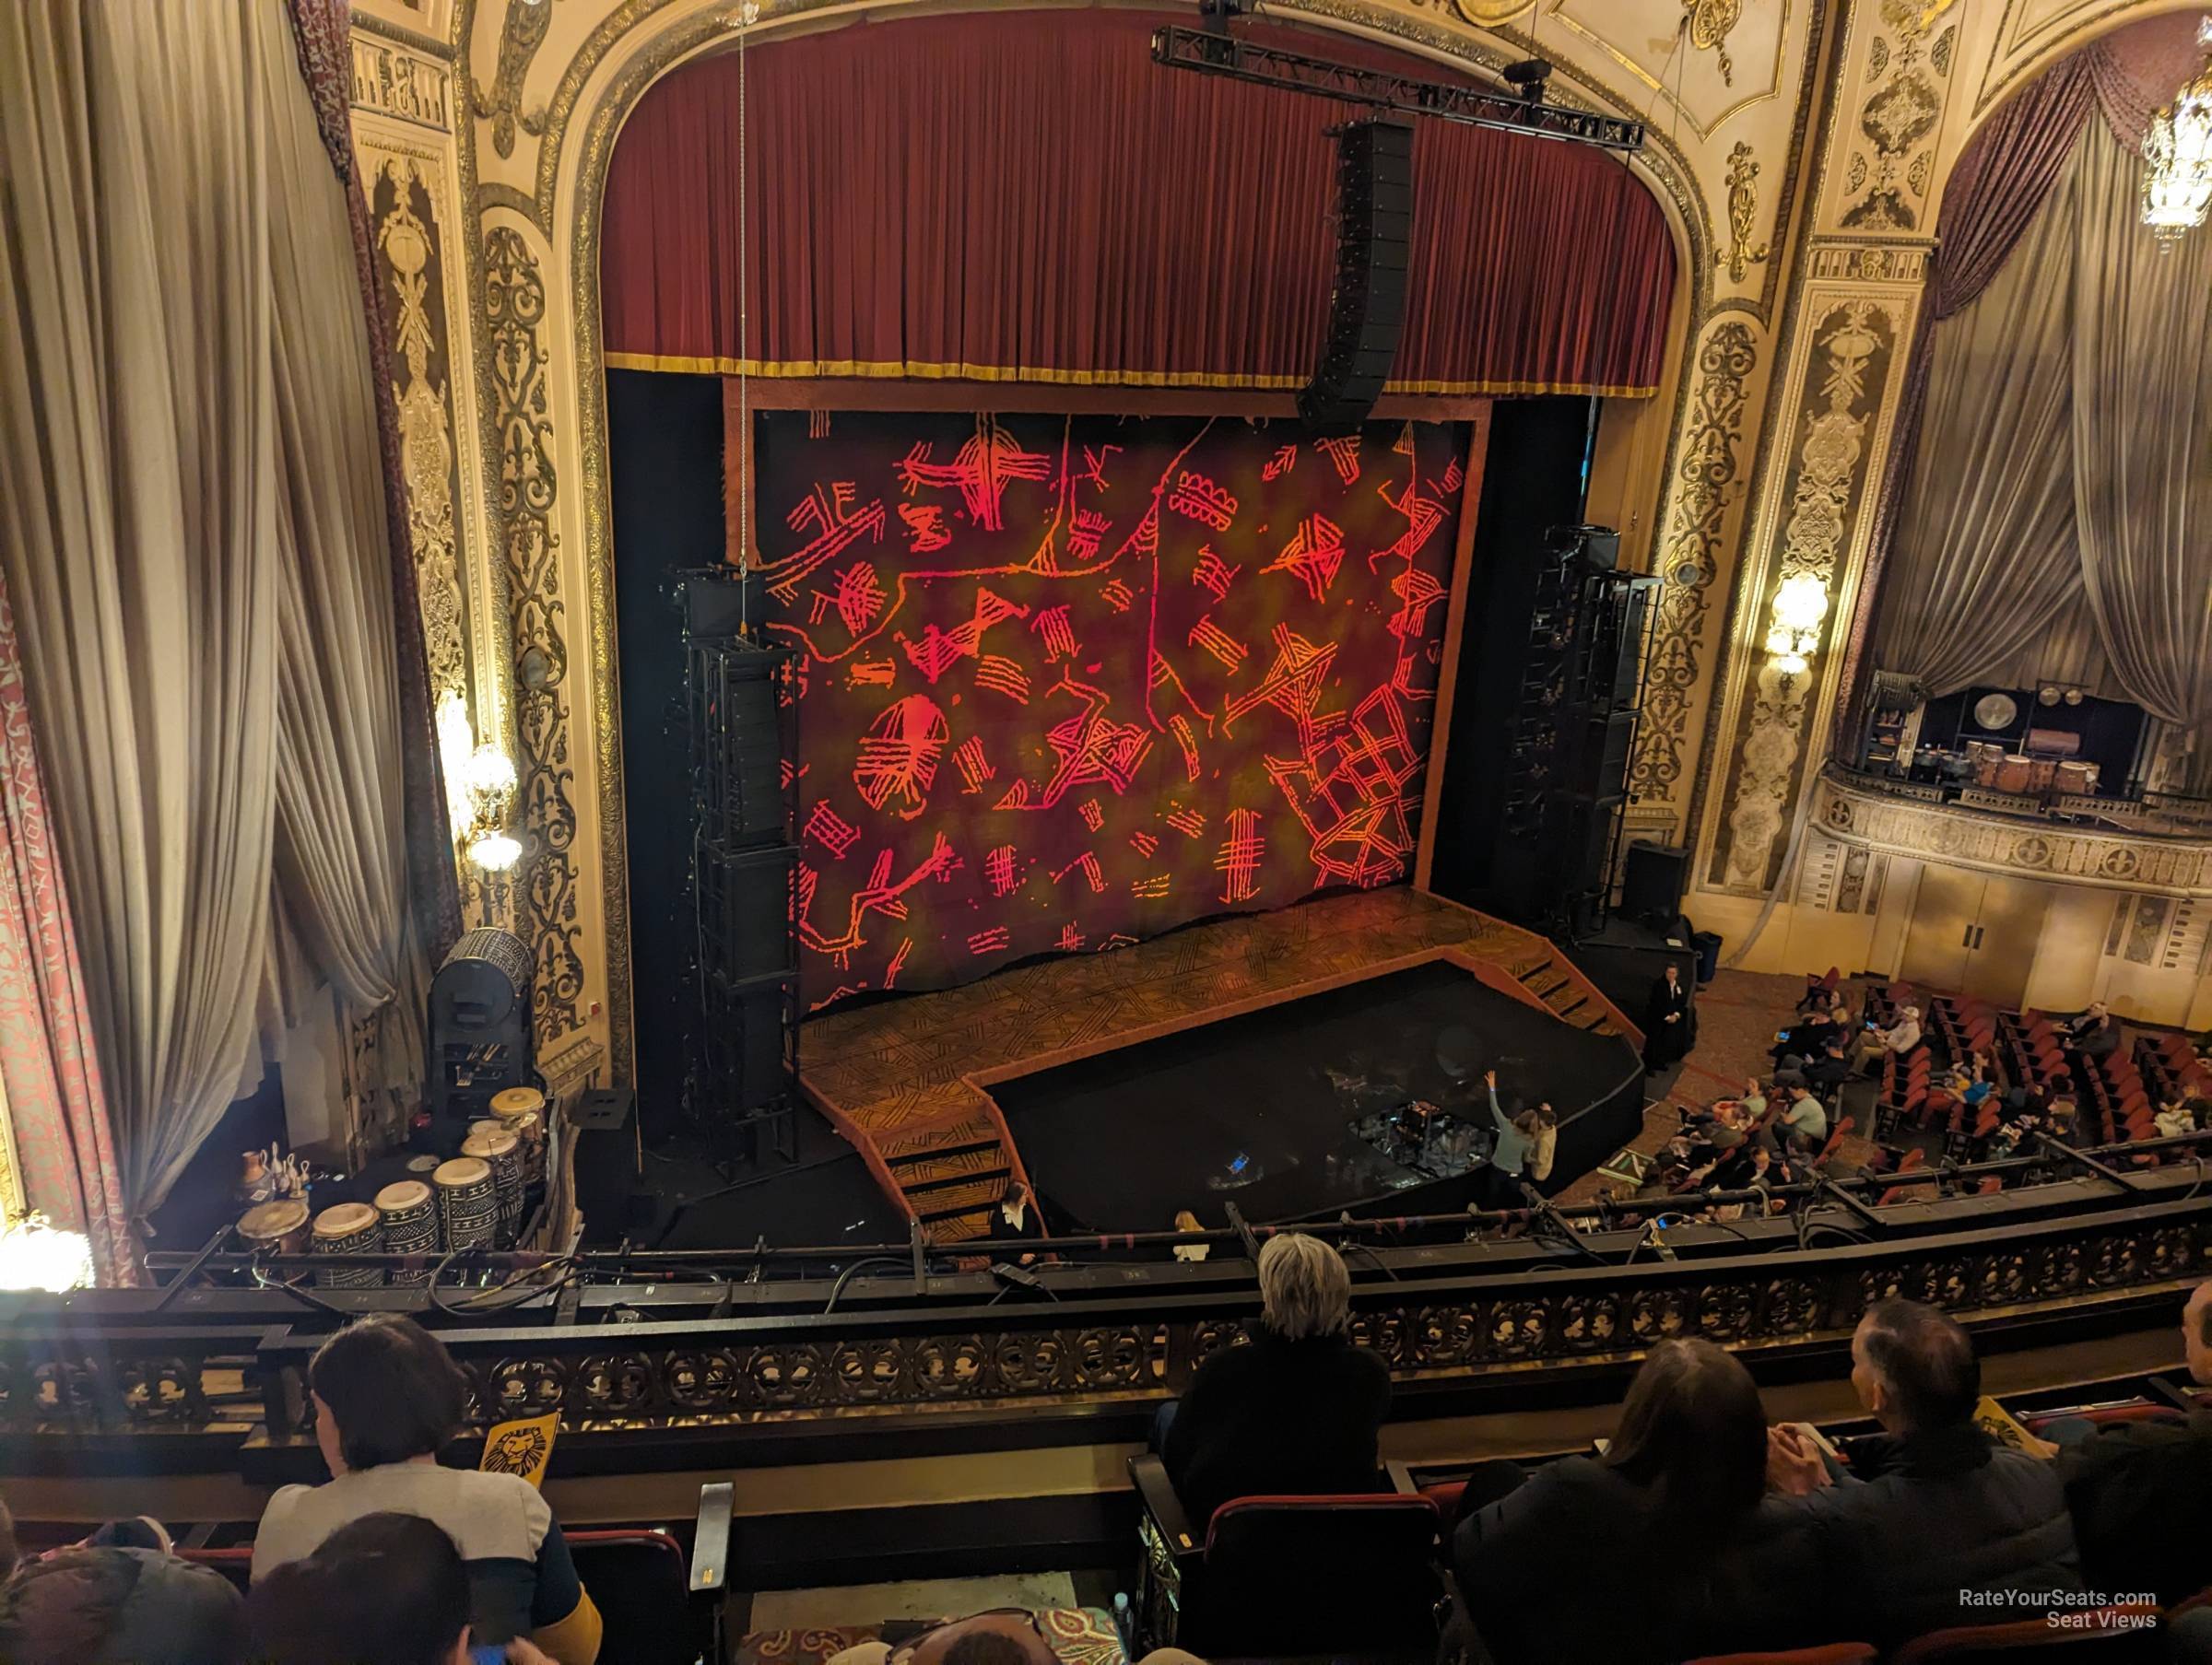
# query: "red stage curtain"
{"points": [[1066, 682], [1026, 196]]}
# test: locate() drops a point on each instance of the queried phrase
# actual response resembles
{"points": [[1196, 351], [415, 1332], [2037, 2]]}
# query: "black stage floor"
{"points": [[1259, 1110]]}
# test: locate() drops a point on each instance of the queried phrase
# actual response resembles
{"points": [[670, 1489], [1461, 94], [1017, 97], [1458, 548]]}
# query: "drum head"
{"points": [[402, 1197], [463, 1170], [269, 1221], [344, 1220]]}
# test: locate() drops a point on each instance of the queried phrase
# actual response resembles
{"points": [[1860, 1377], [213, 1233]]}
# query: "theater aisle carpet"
{"points": [[1080, 1636]]}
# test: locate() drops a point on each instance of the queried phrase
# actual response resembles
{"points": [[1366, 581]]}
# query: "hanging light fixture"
{"points": [[489, 781], [2177, 154]]}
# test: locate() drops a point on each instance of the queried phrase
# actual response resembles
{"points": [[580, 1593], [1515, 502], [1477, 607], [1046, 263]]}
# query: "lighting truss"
{"points": [[1221, 54]]}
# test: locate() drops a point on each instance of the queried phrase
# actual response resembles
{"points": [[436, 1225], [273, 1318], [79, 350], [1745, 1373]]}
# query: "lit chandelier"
{"points": [[2177, 154]]}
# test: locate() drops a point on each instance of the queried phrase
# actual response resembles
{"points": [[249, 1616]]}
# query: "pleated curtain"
{"points": [[193, 531]]}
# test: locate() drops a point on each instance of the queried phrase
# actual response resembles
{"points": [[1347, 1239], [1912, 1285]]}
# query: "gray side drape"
{"points": [[188, 462], [1983, 558], [2142, 450], [2057, 525]]}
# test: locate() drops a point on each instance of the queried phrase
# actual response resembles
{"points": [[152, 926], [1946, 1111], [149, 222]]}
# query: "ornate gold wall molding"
{"points": [[1874, 820], [528, 21], [1706, 486], [547, 878], [1891, 160], [1841, 404], [406, 81], [1744, 249]]}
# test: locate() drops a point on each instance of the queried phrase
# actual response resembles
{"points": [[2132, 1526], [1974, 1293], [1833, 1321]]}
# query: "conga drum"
{"points": [[348, 1228], [522, 1109], [503, 1150], [275, 1228], [468, 1203], [409, 1215]]}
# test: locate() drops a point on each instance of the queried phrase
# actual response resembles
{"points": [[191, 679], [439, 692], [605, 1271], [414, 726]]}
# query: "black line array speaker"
{"points": [[1367, 304], [1652, 882], [739, 751], [745, 902]]}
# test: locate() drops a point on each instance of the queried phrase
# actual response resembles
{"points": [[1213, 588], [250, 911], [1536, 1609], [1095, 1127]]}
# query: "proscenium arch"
{"points": [[645, 40]]}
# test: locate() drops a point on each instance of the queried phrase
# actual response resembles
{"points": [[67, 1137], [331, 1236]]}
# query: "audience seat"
{"points": [[1353, 1577], [2034, 1639], [1830, 1653]]}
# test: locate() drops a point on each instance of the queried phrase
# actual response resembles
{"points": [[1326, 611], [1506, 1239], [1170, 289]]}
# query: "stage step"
{"points": [[963, 1200], [931, 1188], [938, 1154]]}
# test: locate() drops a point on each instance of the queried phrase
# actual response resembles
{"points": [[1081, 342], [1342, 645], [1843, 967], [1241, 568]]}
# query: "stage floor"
{"points": [[907, 1080], [1263, 1110]]}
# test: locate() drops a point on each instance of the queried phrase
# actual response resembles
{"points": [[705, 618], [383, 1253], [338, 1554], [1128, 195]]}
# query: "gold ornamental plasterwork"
{"points": [[1890, 172], [405, 241], [402, 82], [1744, 252], [1706, 485], [1855, 341], [1711, 22], [525, 30], [1872, 819], [1705, 25], [547, 879]]}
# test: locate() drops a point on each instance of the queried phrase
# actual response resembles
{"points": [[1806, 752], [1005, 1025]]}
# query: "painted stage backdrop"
{"points": [[1069, 682]]}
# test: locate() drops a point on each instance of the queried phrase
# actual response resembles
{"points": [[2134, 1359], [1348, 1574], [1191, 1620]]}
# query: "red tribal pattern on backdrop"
{"points": [[1025, 196], [1066, 682]]}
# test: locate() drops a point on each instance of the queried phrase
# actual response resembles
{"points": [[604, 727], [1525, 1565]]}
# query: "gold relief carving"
{"points": [[1851, 338], [406, 241], [1706, 486], [1878, 262], [1710, 21], [523, 33], [1907, 80], [1489, 14], [1743, 213], [514, 310], [395, 82], [1867, 817]]}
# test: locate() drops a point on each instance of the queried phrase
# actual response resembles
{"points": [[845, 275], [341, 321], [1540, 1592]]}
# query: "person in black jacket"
{"points": [[1670, 1024], [2141, 1492], [1933, 1526], [1664, 1548], [1295, 1411]]}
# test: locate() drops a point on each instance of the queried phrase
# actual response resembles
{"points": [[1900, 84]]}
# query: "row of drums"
{"points": [[474, 1201]]}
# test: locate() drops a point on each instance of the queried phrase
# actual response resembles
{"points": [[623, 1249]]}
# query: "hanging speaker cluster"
{"points": [[1367, 305]]}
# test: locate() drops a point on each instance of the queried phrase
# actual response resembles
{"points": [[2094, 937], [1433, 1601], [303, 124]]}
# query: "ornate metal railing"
{"points": [[704, 1365]]}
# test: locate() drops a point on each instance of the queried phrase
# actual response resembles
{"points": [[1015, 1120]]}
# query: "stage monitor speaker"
{"points": [[607, 1161], [745, 902], [1597, 547], [1367, 304], [1651, 887]]}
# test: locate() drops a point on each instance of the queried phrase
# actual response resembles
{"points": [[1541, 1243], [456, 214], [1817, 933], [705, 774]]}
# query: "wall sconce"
{"points": [[1795, 635], [34, 1255], [489, 782]]}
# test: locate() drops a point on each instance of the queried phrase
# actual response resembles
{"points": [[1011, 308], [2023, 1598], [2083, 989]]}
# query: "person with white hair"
{"points": [[1293, 1408], [1898, 1040]]}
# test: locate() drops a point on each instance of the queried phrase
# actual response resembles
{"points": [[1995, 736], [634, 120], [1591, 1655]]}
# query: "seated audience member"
{"points": [[1931, 1510], [2094, 1034], [385, 1589], [1298, 1409], [387, 1397], [110, 1604], [1827, 1072], [2175, 1120], [2141, 1492], [1803, 1114], [2061, 1115], [1898, 1040], [1688, 1553]]}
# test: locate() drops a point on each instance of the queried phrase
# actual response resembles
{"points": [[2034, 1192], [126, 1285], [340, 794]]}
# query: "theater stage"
{"points": [[910, 1082]]}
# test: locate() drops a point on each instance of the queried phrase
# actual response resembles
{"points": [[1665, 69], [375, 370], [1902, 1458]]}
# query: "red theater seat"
{"points": [[1832, 1653]]}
